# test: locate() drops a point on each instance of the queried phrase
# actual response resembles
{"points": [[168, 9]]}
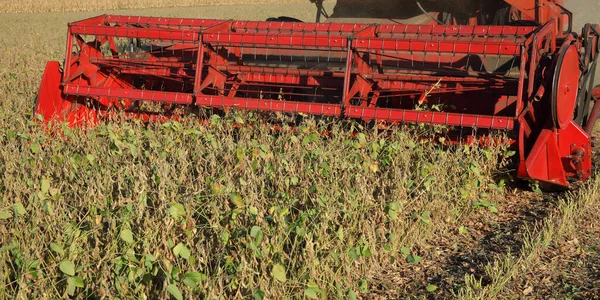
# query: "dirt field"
{"points": [[92, 215]]}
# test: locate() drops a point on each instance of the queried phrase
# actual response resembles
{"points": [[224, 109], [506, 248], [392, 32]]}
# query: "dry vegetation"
{"points": [[11, 6], [131, 210]]}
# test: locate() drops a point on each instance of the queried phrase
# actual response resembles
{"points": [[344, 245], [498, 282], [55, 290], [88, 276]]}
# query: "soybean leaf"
{"points": [[67, 267], [20, 209], [4, 215], [57, 248], [259, 295], [45, 186], [127, 236], [413, 259], [182, 251], [192, 279], [312, 292], [174, 291], [278, 272], [431, 288]]}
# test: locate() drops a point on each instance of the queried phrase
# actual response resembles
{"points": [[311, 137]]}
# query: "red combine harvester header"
{"points": [[531, 76]]}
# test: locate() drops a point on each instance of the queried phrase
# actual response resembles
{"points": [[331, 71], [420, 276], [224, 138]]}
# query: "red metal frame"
{"points": [[479, 77]]}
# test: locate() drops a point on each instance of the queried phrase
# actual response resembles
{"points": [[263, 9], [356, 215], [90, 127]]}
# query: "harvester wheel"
{"points": [[567, 74]]}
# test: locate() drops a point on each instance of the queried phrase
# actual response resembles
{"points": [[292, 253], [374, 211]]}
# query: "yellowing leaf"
{"points": [[45, 186], [278, 272], [236, 199], [176, 210], [312, 292], [5, 215], [127, 236], [57, 248], [20, 209]]}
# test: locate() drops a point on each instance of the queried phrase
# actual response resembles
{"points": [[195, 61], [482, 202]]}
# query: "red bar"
{"points": [[439, 46], [430, 117], [339, 28], [156, 21], [90, 21], [248, 26], [269, 105], [144, 33], [134, 94], [454, 30], [258, 39]]}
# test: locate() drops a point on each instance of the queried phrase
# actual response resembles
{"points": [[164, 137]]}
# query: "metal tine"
{"points": [[499, 56], [425, 51], [514, 60], [468, 56]]}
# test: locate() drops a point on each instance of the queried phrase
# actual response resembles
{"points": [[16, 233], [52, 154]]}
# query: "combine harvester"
{"points": [[475, 66]]}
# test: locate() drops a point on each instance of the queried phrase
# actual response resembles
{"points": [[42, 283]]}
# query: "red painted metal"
{"points": [[474, 77], [566, 84]]}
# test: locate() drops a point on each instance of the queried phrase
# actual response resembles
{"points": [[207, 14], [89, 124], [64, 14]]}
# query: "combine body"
{"points": [[533, 78]]}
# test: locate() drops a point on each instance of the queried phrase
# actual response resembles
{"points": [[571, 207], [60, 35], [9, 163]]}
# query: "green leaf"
{"points": [[413, 259], [127, 236], [426, 217], [4, 215], [351, 294], [258, 294], [90, 158], [191, 279], [78, 282], [312, 292], [45, 186], [225, 236], [257, 234], [365, 251], [340, 233], [392, 209], [431, 288], [195, 276], [57, 248], [405, 251], [354, 253], [278, 272], [71, 286], [462, 230], [363, 286], [182, 251], [536, 189], [35, 148], [294, 180], [174, 291], [176, 210], [255, 231], [67, 267], [20, 209]]}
